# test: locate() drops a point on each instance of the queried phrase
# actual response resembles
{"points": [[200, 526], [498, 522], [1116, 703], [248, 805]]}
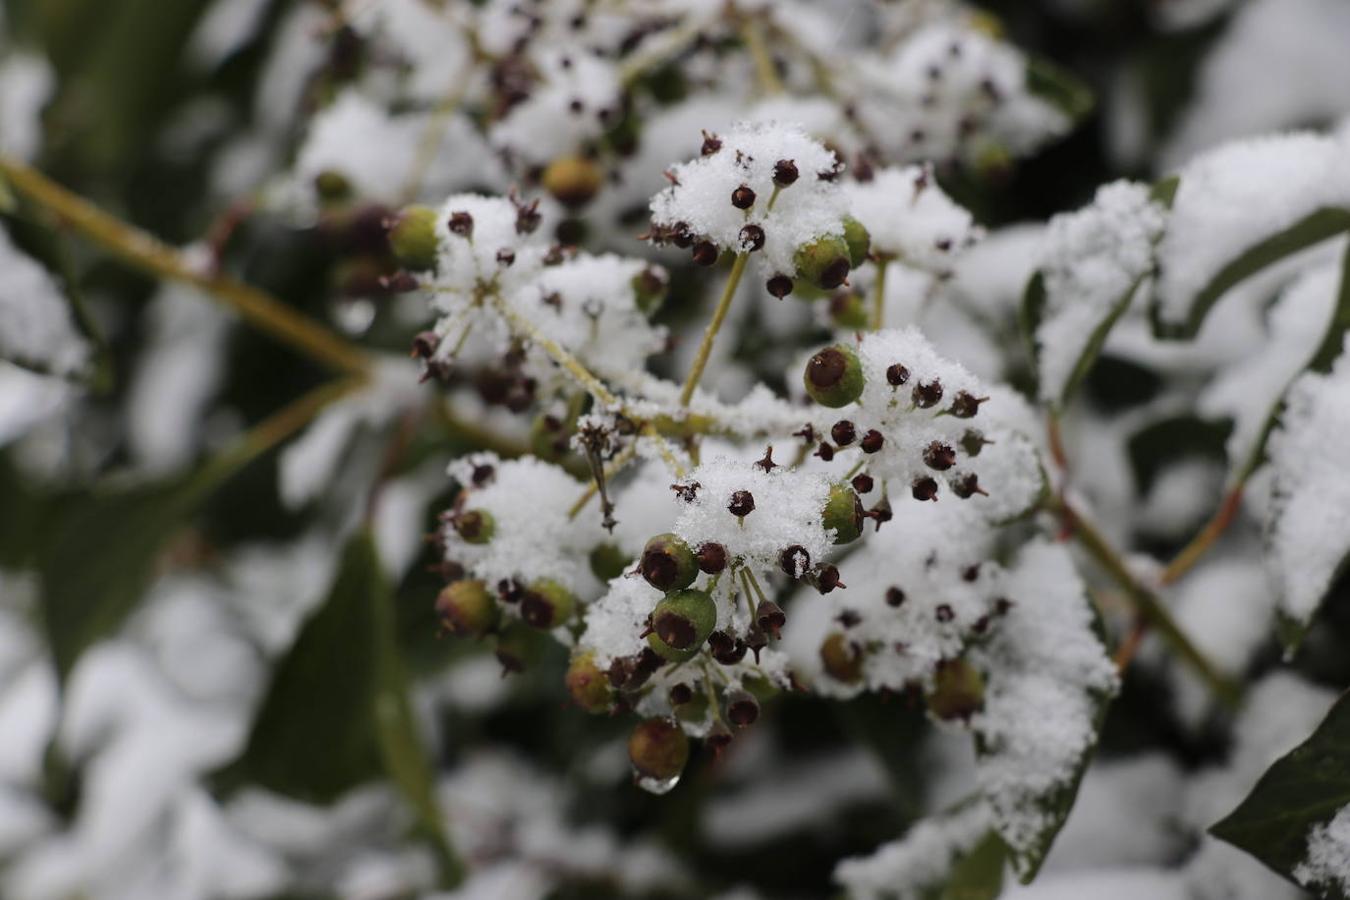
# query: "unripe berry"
{"points": [[742, 708], [844, 514], [546, 604], [957, 692], [413, 238], [683, 620], [466, 609], [589, 687], [841, 658], [475, 526], [572, 180], [658, 749], [549, 438], [824, 261], [848, 310], [517, 647], [858, 241], [332, 187], [608, 561], [667, 563], [834, 376], [650, 287]]}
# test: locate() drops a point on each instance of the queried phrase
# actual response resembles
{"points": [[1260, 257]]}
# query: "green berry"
{"points": [[413, 238], [572, 180], [332, 187], [608, 561], [668, 563], [475, 526], [550, 438], [841, 658], [589, 687], [466, 609], [684, 619], [658, 749], [517, 647], [546, 604], [823, 262], [858, 240], [957, 692], [650, 287], [849, 310], [844, 514], [834, 376]]}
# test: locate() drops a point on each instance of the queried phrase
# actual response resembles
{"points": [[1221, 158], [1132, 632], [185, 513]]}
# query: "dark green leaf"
{"points": [[979, 875], [1303, 789], [1312, 229], [1059, 87]]}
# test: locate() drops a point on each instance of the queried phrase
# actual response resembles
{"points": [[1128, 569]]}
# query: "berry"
{"points": [[894, 596], [743, 197], [794, 561], [742, 708], [650, 287], [785, 172], [461, 223], [872, 441], [779, 286], [608, 561], [843, 514], [725, 649], [862, 483], [940, 456], [823, 262], [572, 180], [658, 749], [966, 486], [682, 621], [466, 609], [965, 405], [843, 432], [589, 687], [332, 187], [546, 604], [413, 238], [841, 658], [927, 393], [858, 241], [667, 563], [742, 504], [517, 646], [848, 310], [752, 239], [896, 374], [704, 253], [957, 691], [924, 488], [770, 618], [973, 442], [712, 558], [827, 578], [834, 376], [475, 526]]}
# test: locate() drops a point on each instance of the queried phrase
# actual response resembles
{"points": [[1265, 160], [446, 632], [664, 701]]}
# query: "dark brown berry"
{"points": [[843, 432], [719, 737], [824, 451], [927, 393], [785, 172], [944, 613], [973, 442], [828, 578], [896, 374], [779, 286], [742, 708], [967, 485], [794, 561], [752, 239], [725, 649], [872, 441], [924, 488], [743, 197], [680, 694], [704, 253], [965, 405], [711, 144], [742, 504], [940, 456], [770, 617], [894, 596], [712, 558], [461, 223], [862, 483]]}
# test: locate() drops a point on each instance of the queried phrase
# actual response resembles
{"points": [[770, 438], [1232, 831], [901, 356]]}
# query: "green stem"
{"points": [[879, 302], [526, 329], [714, 326]]}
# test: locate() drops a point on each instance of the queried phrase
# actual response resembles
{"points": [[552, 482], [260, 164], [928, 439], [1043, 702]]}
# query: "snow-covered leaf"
{"points": [[1296, 820], [950, 849]]}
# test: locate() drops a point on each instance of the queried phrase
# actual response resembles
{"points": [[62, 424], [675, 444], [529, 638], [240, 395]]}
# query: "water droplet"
{"points": [[655, 785]]}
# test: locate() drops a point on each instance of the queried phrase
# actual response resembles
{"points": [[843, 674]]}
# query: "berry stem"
{"points": [[1200, 544], [879, 301], [714, 326], [616, 465], [146, 252], [526, 329], [765, 71], [1146, 603]]}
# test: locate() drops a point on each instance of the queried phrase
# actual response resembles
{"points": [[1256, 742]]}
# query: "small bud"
{"points": [[973, 442], [608, 561], [466, 609], [841, 658], [894, 596], [589, 687], [872, 441], [794, 561], [862, 483], [927, 393], [824, 451], [742, 708], [681, 622], [896, 374], [667, 563], [711, 144], [940, 456], [944, 613], [784, 172], [967, 486], [779, 286], [413, 238], [650, 287], [857, 239], [546, 604], [424, 344], [742, 504], [827, 578], [924, 488], [711, 557], [475, 526], [843, 514], [704, 253], [770, 618], [752, 239], [572, 180], [834, 376], [965, 405], [823, 261], [957, 692], [461, 223], [843, 432], [743, 197], [658, 749]]}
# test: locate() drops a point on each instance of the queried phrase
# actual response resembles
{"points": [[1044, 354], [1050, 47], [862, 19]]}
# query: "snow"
{"points": [[36, 324], [1327, 864], [27, 83], [909, 868], [911, 218]]}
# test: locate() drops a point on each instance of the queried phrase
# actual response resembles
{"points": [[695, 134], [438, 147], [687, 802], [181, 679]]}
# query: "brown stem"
{"points": [[1200, 544]]}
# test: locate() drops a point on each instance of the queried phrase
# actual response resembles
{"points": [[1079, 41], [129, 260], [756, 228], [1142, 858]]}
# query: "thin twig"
{"points": [[714, 326]]}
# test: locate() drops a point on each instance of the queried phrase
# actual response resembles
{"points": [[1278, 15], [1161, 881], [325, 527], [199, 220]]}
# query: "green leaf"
{"points": [[1303, 789], [979, 875], [1059, 87], [337, 712], [1314, 228], [99, 556]]}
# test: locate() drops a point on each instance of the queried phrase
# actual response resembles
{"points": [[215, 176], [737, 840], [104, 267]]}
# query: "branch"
{"points": [[710, 335]]}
